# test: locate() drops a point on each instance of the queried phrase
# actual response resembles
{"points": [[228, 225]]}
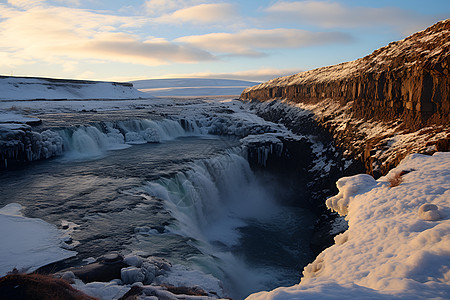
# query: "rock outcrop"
{"points": [[403, 88], [408, 79]]}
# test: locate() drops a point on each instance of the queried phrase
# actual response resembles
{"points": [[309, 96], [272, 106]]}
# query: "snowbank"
{"points": [[27, 244], [26, 88], [390, 250]]}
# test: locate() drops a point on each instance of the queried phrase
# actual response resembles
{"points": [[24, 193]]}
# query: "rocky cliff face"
{"points": [[407, 79], [405, 85]]}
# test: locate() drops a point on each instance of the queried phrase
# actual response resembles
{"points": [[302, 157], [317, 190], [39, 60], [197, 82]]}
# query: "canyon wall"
{"points": [[407, 80]]}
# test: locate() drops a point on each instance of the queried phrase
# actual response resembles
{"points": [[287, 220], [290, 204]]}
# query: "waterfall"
{"points": [[94, 140], [211, 202]]}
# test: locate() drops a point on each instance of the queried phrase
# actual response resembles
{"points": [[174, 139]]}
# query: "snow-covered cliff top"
{"points": [[29, 88], [189, 87], [427, 46]]}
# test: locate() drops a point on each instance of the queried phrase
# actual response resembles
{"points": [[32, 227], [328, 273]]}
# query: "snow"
{"points": [[429, 212], [151, 275], [397, 244], [13, 117], [376, 62], [390, 250], [27, 88], [182, 276], [26, 243], [192, 87], [102, 290], [392, 142]]}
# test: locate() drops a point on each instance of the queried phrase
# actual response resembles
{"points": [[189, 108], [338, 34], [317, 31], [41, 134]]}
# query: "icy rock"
{"points": [[158, 292], [69, 276], [133, 260], [151, 135], [145, 230], [111, 258], [429, 212], [116, 281], [131, 275], [102, 290], [160, 263], [133, 138], [193, 280], [150, 271], [115, 137]]}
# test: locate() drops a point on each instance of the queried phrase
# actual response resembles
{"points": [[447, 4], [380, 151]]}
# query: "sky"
{"points": [[248, 40]]}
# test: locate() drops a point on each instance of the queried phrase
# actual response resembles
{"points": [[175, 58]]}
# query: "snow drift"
{"points": [[390, 249]]}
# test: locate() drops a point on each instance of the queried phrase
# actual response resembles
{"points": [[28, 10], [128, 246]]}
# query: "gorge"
{"points": [[281, 149]]}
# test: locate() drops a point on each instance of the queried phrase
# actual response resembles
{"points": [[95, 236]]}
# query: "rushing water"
{"points": [[191, 199]]}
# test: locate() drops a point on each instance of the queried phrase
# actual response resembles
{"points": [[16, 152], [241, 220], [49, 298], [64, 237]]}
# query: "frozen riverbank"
{"points": [[398, 242]]}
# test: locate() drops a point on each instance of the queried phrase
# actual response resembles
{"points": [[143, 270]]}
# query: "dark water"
{"points": [[230, 223]]}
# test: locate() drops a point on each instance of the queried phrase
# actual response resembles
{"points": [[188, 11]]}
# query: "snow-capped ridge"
{"points": [[30, 88], [190, 87], [405, 80], [434, 37]]}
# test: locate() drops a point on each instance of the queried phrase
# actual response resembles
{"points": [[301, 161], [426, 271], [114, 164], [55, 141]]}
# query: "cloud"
{"points": [[250, 42], [160, 7], [56, 35], [201, 14], [330, 14], [133, 51], [26, 3], [69, 2]]}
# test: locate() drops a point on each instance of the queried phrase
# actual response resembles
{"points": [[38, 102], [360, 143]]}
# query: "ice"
{"points": [[266, 144], [133, 260], [182, 276], [102, 290], [13, 117], [27, 244], [131, 275], [389, 251], [84, 141]]}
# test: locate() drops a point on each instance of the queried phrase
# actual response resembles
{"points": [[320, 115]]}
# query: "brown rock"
{"points": [[36, 286], [405, 80]]}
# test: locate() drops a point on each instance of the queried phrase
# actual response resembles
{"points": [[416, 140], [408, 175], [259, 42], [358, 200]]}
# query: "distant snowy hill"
{"points": [[192, 86], [30, 88]]}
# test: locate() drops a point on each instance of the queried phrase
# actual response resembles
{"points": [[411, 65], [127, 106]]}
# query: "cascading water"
{"points": [[215, 203], [94, 140], [204, 207]]}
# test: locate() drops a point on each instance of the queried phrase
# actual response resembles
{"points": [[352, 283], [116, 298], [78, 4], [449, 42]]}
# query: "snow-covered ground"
{"points": [[192, 87], [28, 88], [26, 243], [398, 242]]}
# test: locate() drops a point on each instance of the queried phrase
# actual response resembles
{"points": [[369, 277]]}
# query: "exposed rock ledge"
{"points": [[405, 85]]}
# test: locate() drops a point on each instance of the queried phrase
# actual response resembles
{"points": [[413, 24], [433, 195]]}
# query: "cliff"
{"points": [[404, 86]]}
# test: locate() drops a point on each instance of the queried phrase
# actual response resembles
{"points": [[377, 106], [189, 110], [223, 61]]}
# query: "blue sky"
{"points": [[252, 40]]}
